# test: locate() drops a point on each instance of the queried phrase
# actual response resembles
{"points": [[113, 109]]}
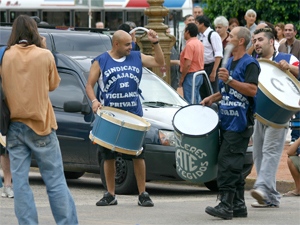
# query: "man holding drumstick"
{"points": [[104, 70], [268, 142], [237, 89]]}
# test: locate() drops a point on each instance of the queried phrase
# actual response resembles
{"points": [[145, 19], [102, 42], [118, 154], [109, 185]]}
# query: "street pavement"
{"points": [[174, 204]]}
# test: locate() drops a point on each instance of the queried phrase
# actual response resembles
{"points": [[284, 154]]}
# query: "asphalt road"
{"points": [[174, 204]]}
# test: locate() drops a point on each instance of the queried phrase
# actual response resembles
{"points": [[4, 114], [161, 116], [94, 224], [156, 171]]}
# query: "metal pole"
{"points": [[90, 14], [201, 72]]}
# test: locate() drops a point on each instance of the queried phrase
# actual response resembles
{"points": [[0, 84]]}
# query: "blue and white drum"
{"points": [[119, 130], [2, 140], [278, 95], [197, 143]]}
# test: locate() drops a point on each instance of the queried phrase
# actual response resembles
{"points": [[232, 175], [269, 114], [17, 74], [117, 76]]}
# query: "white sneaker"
{"points": [[258, 195], [7, 192], [264, 205]]}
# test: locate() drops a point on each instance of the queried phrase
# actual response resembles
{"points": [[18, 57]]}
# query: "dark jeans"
{"points": [[231, 160], [208, 69]]}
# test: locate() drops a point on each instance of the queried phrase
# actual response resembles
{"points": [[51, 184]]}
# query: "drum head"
{"points": [[2, 140], [195, 120], [281, 87], [117, 115]]}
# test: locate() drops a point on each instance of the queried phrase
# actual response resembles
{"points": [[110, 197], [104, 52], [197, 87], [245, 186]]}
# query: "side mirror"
{"points": [[75, 106]]}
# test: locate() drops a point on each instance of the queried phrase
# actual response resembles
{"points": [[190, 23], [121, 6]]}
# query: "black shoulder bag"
{"points": [[4, 110]]}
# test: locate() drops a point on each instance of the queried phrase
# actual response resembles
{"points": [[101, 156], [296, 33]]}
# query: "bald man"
{"points": [[118, 73]]}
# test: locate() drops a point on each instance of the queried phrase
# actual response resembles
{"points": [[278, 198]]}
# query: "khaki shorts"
{"points": [[296, 161]]}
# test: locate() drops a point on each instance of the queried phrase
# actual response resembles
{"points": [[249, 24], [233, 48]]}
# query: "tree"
{"points": [[273, 11]]}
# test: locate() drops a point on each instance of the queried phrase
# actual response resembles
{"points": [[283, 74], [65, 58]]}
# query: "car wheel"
{"points": [[212, 185], [73, 175], [125, 178]]}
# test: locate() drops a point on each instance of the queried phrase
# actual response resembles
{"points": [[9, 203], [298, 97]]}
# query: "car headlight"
{"points": [[167, 137]]}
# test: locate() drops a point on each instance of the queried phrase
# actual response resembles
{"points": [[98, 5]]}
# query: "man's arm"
{"points": [[212, 76], [186, 66], [284, 65], [93, 77], [217, 46], [292, 150], [211, 99], [158, 59], [248, 89]]}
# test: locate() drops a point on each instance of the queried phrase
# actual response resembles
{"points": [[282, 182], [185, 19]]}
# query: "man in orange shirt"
{"points": [[191, 61]]}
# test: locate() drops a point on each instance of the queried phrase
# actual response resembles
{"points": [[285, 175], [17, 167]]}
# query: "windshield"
{"points": [[156, 92]]}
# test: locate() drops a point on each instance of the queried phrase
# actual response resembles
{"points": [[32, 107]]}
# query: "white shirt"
{"points": [[215, 47]]}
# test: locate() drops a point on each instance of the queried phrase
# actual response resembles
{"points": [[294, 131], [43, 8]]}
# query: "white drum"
{"points": [[197, 143]]}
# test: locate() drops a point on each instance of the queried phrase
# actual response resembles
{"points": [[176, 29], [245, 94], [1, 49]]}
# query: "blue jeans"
{"points": [[21, 142], [296, 133], [187, 87]]}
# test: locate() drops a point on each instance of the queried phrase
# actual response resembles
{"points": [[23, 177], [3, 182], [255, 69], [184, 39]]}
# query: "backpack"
{"points": [[5, 113]]}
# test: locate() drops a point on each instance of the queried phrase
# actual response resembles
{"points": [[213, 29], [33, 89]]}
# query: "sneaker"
{"points": [[258, 195], [7, 192], [107, 199], [145, 200], [264, 205]]}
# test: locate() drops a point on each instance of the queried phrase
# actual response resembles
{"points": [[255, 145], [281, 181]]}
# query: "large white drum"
{"points": [[278, 95], [197, 143]]}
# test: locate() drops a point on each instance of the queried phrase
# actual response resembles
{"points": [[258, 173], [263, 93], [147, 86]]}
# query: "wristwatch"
{"points": [[229, 79]]}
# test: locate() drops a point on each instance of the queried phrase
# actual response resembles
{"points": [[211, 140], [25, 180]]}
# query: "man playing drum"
{"points": [[118, 73], [237, 89], [268, 141]]}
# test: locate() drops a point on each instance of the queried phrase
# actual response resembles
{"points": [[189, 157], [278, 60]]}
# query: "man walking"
{"points": [[268, 142], [238, 86], [191, 61]]}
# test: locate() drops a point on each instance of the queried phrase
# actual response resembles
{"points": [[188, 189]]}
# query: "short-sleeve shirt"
{"points": [[193, 51]]}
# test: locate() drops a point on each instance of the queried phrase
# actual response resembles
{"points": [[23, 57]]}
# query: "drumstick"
{"points": [[228, 49], [140, 28]]}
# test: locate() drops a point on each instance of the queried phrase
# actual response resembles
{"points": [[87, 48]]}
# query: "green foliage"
{"points": [[273, 11]]}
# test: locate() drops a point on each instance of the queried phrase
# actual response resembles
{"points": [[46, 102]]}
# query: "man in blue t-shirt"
{"points": [[237, 91], [268, 141], [118, 73]]}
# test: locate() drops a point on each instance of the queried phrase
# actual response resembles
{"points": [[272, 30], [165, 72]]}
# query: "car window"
{"points": [[78, 42], [68, 90], [155, 89]]}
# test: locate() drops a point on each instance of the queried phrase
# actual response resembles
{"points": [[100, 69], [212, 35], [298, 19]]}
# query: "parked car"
{"points": [[73, 52]]}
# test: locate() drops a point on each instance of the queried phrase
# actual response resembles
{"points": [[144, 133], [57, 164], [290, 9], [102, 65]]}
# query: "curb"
{"points": [[282, 186]]}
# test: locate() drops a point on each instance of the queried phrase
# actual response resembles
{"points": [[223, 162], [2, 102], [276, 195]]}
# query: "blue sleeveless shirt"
{"points": [[118, 83], [234, 105]]}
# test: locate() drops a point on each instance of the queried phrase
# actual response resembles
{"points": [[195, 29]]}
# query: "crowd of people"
{"points": [[201, 48]]}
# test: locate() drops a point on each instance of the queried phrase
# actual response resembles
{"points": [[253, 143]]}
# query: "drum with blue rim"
{"points": [[278, 95], [119, 130]]}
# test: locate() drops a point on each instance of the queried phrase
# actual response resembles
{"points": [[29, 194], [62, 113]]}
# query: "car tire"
{"points": [[212, 185], [73, 175], [125, 178]]}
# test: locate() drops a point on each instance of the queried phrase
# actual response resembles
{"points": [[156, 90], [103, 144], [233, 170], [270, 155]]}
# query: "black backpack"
{"points": [[5, 113]]}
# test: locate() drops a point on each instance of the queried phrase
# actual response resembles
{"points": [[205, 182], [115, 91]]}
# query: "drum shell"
{"points": [[277, 95], [197, 155], [116, 137], [270, 113]]}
